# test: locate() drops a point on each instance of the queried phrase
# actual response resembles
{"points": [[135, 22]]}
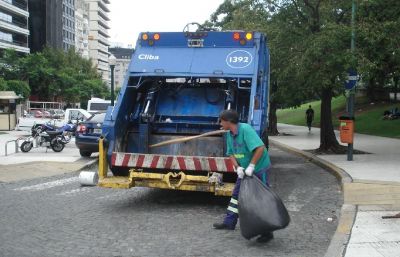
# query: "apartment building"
{"points": [[51, 23], [14, 32], [123, 58], [82, 28], [99, 36]]}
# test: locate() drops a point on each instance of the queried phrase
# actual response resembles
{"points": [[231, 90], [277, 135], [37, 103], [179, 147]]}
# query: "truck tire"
{"points": [[26, 146], [85, 153], [119, 171]]}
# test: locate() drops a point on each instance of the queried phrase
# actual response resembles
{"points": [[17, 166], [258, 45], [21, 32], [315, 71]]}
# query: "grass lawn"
{"points": [[368, 116]]}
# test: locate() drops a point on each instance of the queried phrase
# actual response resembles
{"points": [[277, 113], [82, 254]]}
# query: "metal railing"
{"points": [[16, 143], [17, 4], [18, 43], [16, 23]]}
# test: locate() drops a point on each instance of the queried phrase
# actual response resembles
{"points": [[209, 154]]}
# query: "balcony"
{"points": [[14, 27], [15, 7], [103, 57], [16, 45], [103, 33], [103, 22], [103, 7], [103, 15], [102, 39], [102, 66], [102, 48]]}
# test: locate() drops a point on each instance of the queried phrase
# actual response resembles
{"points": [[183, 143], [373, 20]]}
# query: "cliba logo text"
{"points": [[148, 57]]}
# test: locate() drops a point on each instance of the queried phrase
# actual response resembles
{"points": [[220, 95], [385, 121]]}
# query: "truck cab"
{"points": [[176, 86]]}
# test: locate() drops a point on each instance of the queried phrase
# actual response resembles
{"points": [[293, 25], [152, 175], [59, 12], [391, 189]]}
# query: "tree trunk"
{"points": [[272, 120], [371, 90], [396, 87], [328, 141]]}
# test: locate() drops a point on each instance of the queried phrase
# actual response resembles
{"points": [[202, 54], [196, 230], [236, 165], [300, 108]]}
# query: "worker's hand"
{"points": [[240, 172], [249, 170]]}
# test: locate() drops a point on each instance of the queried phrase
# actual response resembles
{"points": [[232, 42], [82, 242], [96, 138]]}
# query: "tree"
{"points": [[54, 74], [378, 30], [310, 50], [253, 15], [19, 87]]}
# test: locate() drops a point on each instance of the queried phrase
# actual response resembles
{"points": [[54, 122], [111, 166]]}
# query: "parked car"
{"points": [[57, 114], [88, 133]]}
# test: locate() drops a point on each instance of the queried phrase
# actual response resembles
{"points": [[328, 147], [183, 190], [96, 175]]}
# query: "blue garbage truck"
{"points": [[176, 86]]}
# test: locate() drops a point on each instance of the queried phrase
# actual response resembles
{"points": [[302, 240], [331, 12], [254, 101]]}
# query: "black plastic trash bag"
{"points": [[260, 209]]}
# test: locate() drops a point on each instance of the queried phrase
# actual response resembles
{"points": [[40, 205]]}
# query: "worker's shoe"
{"points": [[223, 226], [265, 238]]}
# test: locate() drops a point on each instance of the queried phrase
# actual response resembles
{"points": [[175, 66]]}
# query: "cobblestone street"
{"points": [[55, 216]]}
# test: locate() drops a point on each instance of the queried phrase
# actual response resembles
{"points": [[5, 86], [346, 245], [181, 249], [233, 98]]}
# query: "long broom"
{"points": [[184, 139]]}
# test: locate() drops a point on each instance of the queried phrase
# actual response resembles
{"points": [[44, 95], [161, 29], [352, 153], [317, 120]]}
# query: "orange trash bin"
{"points": [[346, 129]]}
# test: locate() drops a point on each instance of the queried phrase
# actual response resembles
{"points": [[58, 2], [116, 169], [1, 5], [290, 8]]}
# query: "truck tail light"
{"points": [[156, 36], [236, 36], [249, 36], [145, 36]]}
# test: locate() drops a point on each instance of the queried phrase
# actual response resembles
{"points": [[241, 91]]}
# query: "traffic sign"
{"points": [[351, 80]]}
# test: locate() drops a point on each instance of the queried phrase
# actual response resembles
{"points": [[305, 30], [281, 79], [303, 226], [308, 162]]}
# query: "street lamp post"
{"points": [[351, 97], [112, 61]]}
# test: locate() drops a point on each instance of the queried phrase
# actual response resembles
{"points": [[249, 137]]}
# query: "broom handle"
{"points": [[184, 139]]}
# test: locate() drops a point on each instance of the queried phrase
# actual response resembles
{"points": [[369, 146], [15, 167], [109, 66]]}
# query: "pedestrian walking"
{"points": [[309, 117], [249, 156]]}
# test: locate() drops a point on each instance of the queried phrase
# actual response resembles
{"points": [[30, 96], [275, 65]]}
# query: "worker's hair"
{"points": [[230, 115]]}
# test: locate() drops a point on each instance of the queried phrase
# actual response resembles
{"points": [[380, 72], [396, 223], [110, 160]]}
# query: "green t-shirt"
{"points": [[242, 144]]}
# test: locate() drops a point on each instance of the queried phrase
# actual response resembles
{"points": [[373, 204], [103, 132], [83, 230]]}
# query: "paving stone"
{"points": [[151, 222]]}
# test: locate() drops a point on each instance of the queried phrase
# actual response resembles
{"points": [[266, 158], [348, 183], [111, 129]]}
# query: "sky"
{"points": [[130, 17]]}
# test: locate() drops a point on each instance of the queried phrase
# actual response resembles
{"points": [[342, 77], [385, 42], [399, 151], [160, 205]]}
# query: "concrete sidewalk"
{"points": [[38, 162], [374, 190]]}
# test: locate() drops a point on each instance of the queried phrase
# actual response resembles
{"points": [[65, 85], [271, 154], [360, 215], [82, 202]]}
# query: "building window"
{"points": [[6, 37], [5, 17]]}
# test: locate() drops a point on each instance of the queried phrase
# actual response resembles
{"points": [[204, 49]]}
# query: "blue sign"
{"points": [[351, 80]]}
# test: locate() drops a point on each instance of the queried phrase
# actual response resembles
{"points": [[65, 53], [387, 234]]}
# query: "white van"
{"points": [[98, 105]]}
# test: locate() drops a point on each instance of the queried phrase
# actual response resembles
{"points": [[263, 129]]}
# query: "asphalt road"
{"points": [[55, 216]]}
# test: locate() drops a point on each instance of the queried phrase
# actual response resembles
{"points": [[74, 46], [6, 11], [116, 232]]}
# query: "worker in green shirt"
{"points": [[249, 156]]}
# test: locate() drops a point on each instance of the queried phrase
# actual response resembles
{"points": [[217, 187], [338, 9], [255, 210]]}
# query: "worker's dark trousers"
{"points": [[232, 213]]}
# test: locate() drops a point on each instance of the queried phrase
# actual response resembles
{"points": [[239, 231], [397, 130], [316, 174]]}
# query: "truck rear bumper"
{"points": [[171, 180], [172, 162]]}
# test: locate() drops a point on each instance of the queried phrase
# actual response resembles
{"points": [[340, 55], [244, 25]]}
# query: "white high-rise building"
{"points": [[98, 35], [123, 58], [82, 28], [14, 31]]}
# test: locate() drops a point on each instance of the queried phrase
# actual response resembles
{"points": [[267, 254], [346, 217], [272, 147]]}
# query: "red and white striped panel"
{"points": [[172, 162]]}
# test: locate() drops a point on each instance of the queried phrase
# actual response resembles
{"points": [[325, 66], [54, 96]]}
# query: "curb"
{"points": [[340, 239], [89, 164]]}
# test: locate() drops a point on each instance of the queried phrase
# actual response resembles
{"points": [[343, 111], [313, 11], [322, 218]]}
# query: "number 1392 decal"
{"points": [[239, 59]]}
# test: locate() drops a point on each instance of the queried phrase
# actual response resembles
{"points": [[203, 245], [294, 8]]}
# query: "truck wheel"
{"points": [[26, 146], [118, 171], [57, 146], [85, 153]]}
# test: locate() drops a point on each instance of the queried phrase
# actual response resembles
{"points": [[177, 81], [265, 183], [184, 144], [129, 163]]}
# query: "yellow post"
{"points": [[103, 166]]}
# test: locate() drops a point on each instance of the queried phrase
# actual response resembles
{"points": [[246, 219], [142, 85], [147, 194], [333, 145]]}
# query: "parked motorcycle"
{"points": [[46, 138], [68, 130]]}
